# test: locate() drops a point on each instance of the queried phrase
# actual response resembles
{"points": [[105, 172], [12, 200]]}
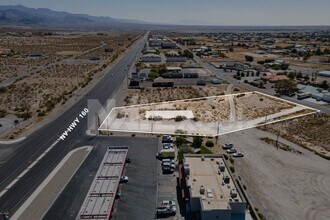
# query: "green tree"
{"points": [[324, 85], [180, 141], [292, 75], [318, 52], [285, 87], [197, 142], [299, 75], [326, 51], [188, 54], [209, 144], [153, 74], [249, 58]]}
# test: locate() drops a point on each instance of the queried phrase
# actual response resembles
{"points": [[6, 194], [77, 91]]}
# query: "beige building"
{"points": [[209, 189]]}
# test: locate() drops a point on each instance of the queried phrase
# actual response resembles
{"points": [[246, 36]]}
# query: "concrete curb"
{"points": [[15, 141]]}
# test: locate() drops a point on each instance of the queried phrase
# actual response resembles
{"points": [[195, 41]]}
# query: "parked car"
{"points": [[291, 94], [167, 139], [167, 170], [128, 160], [201, 82], [166, 154], [227, 146], [231, 150], [170, 203], [167, 145], [118, 194], [168, 161], [301, 96], [123, 179], [165, 211], [238, 154], [166, 164]]}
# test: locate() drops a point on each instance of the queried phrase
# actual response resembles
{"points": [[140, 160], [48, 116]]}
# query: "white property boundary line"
{"points": [[168, 102], [26, 204], [210, 97]]}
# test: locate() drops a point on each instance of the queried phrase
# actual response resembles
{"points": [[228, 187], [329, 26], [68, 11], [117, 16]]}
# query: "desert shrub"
{"points": [[209, 144], [3, 113], [180, 118], [180, 141], [40, 114], [3, 89], [232, 169], [120, 115], [231, 160]]}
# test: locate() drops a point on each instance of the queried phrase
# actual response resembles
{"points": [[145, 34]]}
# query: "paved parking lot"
{"points": [[138, 196], [138, 199], [167, 188]]}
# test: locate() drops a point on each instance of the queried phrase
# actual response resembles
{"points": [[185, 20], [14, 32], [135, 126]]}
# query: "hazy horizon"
{"points": [[213, 12]]}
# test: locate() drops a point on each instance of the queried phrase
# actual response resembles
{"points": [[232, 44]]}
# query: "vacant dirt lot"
{"points": [[153, 95], [50, 80], [311, 132], [282, 184], [245, 106], [252, 105]]}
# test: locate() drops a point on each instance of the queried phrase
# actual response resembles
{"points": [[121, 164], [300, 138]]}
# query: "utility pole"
{"points": [[97, 123], [278, 134], [218, 130]]}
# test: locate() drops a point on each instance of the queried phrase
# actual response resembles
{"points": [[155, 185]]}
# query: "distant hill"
{"points": [[22, 16]]}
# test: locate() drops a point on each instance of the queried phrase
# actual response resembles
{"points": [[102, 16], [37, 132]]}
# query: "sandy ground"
{"points": [[282, 184], [211, 116], [153, 95], [55, 82], [31, 125], [309, 132], [255, 105]]}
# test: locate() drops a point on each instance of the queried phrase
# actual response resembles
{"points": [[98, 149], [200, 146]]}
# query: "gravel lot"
{"points": [[282, 184]]}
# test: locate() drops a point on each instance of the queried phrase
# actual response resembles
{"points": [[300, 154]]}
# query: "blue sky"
{"points": [[221, 12]]}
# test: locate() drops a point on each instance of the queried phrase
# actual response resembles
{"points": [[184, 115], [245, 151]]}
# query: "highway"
{"points": [[33, 146]]}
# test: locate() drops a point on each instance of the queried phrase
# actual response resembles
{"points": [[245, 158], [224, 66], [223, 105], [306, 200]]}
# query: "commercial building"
{"points": [[100, 199], [174, 59], [168, 45], [208, 189], [161, 82], [325, 73], [151, 58], [274, 77], [314, 92]]}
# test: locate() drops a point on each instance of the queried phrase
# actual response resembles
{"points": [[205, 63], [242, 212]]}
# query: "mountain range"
{"points": [[19, 15]]}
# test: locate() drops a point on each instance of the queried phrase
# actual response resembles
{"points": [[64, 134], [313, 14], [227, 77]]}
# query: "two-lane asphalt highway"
{"points": [[33, 146]]}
